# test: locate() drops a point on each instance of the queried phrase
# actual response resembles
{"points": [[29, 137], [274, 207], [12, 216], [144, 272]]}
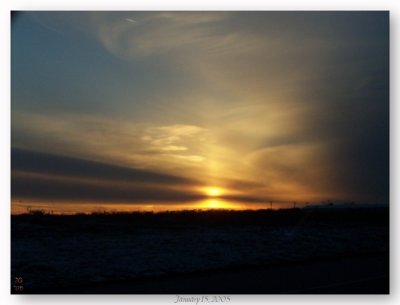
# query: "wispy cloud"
{"points": [[160, 32], [102, 139], [79, 179]]}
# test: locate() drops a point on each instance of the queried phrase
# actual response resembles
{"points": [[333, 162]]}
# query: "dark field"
{"points": [[326, 250]]}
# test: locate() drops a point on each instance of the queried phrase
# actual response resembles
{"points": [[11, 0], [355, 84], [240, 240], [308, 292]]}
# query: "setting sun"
{"points": [[217, 203], [213, 191], [213, 204]]}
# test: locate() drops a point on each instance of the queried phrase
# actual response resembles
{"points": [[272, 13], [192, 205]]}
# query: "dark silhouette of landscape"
{"points": [[309, 250]]}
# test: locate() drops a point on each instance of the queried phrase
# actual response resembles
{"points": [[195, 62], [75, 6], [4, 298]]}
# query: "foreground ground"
{"points": [[356, 275], [290, 251]]}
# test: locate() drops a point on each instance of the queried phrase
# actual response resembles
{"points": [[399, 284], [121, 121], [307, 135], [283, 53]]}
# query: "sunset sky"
{"points": [[170, 110]]}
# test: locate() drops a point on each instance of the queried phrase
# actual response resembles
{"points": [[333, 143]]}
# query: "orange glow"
{"points": [[21, 207], [214, 204], [218, 204]]}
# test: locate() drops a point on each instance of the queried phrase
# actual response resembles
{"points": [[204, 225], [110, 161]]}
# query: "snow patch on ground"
{"points": [[50, 258]]}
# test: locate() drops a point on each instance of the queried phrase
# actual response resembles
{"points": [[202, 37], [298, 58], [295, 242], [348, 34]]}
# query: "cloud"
{"points": [[130, 20], [175, 140], [32, 187], [47, 176], [155, 33], [29, 161], [126, 143]]}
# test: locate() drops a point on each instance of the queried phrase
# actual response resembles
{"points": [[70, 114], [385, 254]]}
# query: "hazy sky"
{"points": [[154, 107]]}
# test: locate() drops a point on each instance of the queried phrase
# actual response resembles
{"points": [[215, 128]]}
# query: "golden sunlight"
{"points": [[213, 204], [213, 191], [217, 203]]}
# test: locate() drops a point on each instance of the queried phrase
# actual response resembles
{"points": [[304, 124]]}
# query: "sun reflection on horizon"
{"points": [[214, 203]]}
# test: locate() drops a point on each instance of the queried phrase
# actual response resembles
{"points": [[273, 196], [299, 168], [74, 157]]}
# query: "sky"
{"points": [[170, 110]]}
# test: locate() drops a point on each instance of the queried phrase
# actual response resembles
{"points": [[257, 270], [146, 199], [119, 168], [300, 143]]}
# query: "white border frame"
{"points": [[7, 5]]}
